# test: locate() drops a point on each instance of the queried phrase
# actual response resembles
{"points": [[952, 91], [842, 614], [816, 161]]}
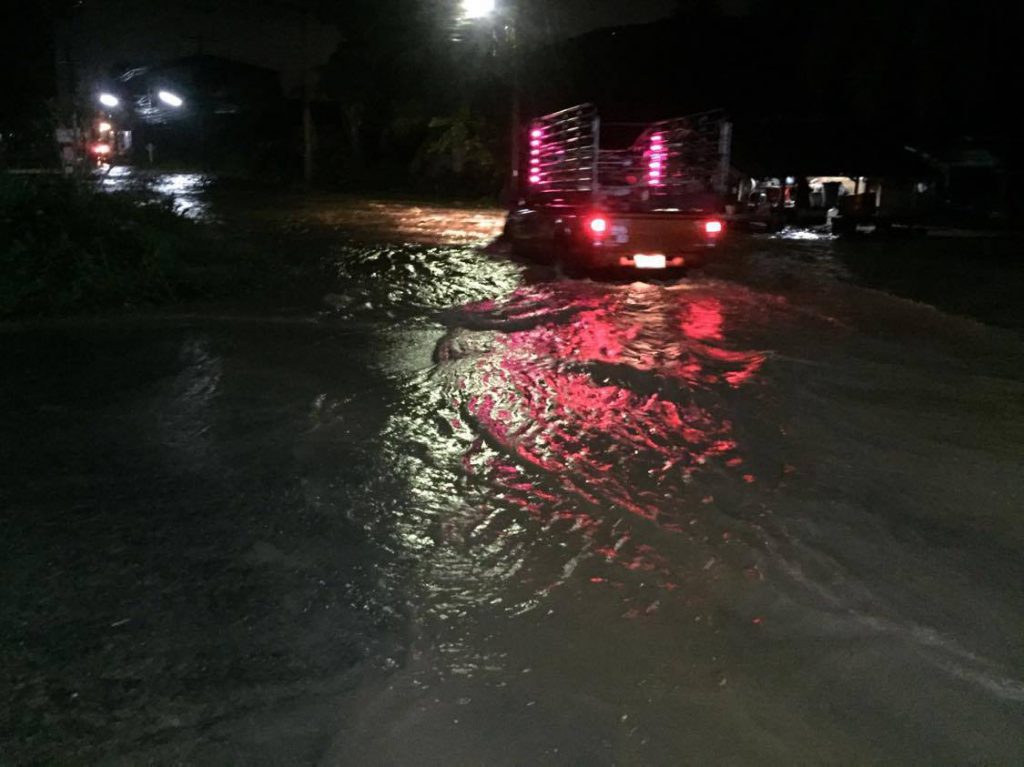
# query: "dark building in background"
{"points": [[210, 85], [206, 110]]}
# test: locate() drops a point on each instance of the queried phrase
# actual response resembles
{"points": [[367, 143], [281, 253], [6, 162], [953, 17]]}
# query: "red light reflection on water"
{"points": [[702, 320], [593, 409]]}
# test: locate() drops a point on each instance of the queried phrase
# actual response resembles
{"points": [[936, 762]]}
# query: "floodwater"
{"points": [[184, 191], [464, 511]]}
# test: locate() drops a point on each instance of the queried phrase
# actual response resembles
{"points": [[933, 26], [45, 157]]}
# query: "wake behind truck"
{"points": [[655, 204]]}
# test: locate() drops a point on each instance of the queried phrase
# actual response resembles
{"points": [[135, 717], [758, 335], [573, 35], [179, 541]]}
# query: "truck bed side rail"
{"points": [[685, 156], [562, 156], [682, 163]]}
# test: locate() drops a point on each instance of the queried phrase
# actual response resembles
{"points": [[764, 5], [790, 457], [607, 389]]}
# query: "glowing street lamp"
{"points": [[109, 100], [170, 99], [480, 10], [477, 9], [105, 127]]}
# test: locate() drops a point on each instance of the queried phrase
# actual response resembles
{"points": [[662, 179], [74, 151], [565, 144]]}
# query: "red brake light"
{"points": [[101, 148], [598, 225], [713, 227]]}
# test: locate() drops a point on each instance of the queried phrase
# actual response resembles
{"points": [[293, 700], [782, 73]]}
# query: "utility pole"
{"points": [[307, 97], [304, 8], [510, 35], [69, 134]]}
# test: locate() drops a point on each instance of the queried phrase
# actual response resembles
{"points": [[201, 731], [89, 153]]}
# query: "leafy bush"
{"points": [[66, 247], [458, 153]]}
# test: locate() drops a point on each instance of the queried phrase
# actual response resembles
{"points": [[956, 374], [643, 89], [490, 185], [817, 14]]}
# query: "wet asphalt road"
{"points": [[437, 507]]}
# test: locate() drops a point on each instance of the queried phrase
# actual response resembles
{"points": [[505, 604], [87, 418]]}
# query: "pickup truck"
{"points": [[654, 205]]}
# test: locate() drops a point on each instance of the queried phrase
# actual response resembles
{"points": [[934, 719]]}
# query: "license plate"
{"points": [[641, 261]]}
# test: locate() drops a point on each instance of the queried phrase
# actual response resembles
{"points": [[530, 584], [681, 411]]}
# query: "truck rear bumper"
{"points": [[651, 262], [647, 260], [619, 241]]}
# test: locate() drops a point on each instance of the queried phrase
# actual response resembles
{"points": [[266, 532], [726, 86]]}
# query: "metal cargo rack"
{"points": [[675, 164]]}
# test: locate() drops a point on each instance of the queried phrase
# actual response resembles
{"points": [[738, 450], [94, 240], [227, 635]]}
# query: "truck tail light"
{"points": [[598, 225], [713, 227]]}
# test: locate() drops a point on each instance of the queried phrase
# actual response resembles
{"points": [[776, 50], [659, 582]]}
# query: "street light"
{"points": [[477, 9], [109, 100], [170, 99]]}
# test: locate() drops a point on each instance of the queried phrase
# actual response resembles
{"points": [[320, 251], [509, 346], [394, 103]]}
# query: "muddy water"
{"points": [[468, 512], [703, 521]]}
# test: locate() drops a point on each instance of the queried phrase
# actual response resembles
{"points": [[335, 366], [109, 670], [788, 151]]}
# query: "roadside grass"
{"points": [[67, 248]]}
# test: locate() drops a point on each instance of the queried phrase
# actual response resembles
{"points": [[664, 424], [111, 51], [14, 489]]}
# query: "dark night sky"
{"points": [[576, 16], [897, 65], [143, 31], [138, 31]]}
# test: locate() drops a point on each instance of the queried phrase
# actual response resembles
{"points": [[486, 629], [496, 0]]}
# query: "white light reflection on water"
{"points": [[184, 191], [792, 233]]}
